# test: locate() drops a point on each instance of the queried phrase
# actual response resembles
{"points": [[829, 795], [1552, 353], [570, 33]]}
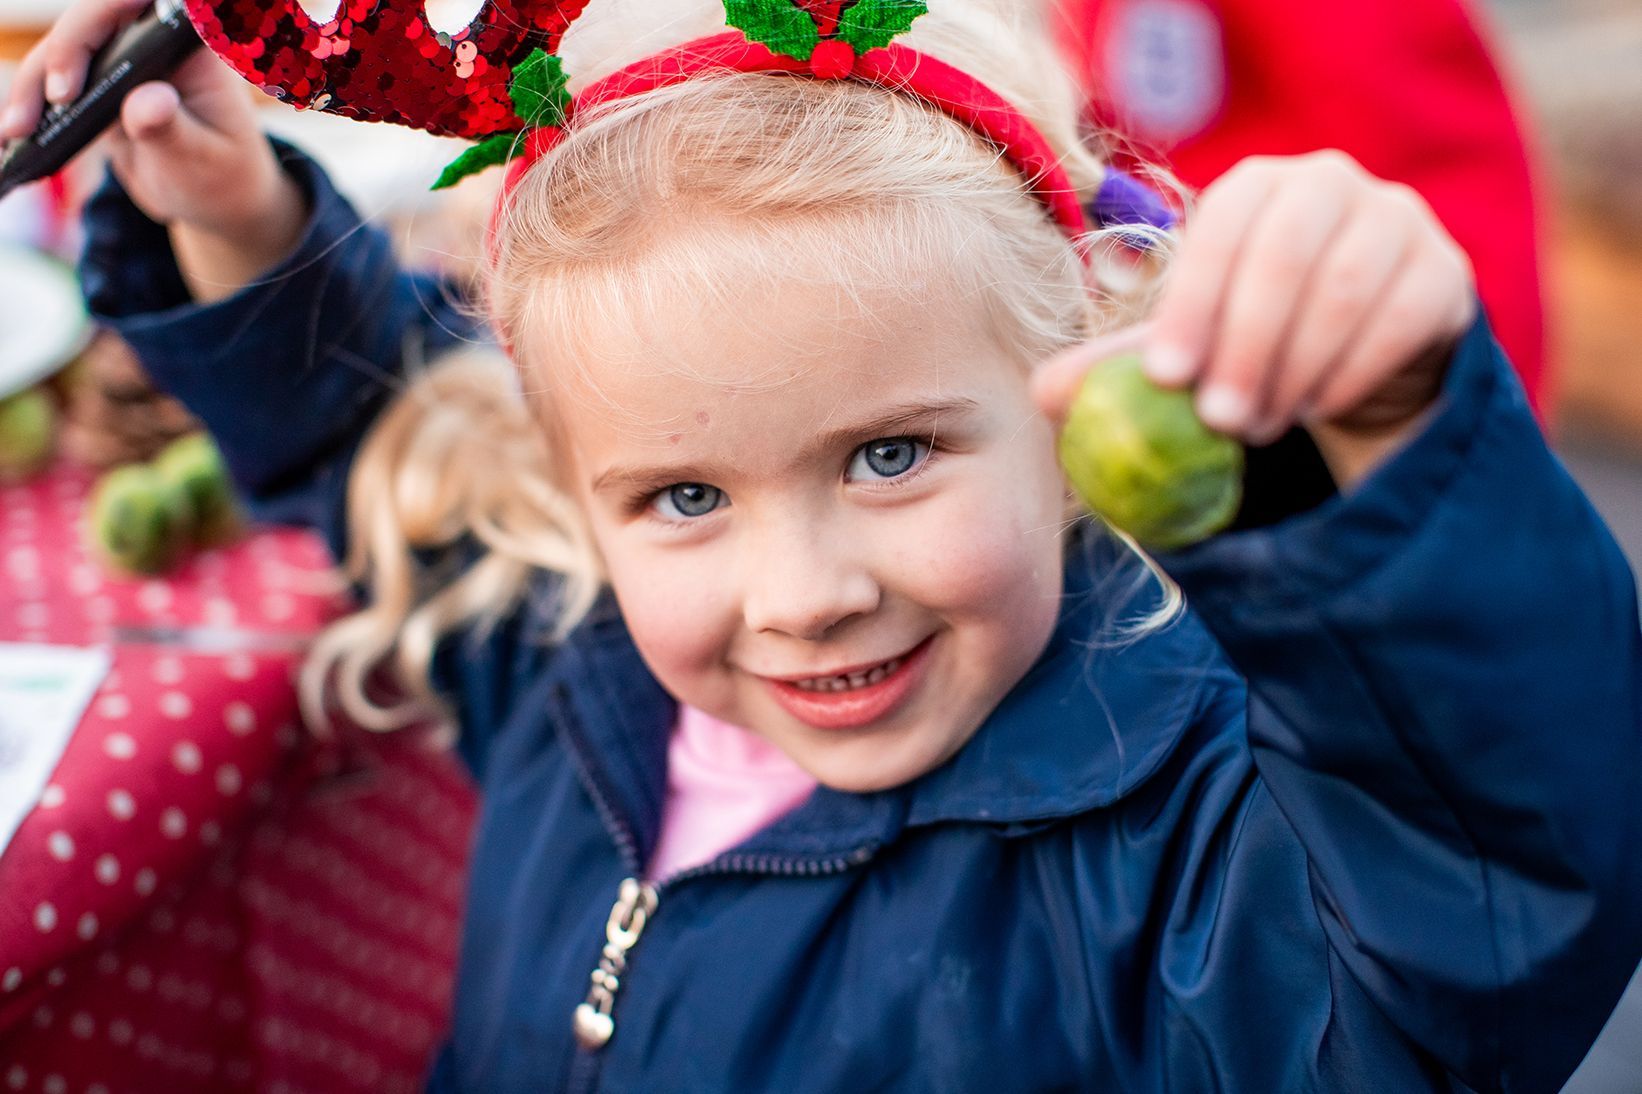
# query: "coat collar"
{"points": [[1090, 721]]}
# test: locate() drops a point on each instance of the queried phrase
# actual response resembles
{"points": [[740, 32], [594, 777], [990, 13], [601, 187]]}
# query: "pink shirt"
{"points": [[723, 784]]}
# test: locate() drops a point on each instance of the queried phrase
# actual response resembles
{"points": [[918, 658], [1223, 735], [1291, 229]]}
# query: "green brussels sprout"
{"points": [[193, 471], [28, 428], [1143, 461], [134, 525]]}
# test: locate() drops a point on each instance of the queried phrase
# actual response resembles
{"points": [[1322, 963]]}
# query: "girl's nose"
{"points": [[802, 585]]}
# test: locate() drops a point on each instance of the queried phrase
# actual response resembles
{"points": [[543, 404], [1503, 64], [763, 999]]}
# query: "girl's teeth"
{"points": [[851, 681]]}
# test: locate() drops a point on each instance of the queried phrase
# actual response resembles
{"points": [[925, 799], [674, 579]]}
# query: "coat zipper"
{"points": [[593, 1021]]}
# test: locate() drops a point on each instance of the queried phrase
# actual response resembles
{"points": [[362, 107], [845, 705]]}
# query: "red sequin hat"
{"points": [[499, 80]]}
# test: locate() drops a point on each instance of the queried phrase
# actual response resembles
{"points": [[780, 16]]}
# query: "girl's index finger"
{"points": [[1055, 383], [78, 33]]}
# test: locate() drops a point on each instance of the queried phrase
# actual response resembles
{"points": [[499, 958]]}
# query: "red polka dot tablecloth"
{"points": [[206, 897]]}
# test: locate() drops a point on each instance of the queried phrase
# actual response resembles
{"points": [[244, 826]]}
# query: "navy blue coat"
{"points": [[1366, 819]]}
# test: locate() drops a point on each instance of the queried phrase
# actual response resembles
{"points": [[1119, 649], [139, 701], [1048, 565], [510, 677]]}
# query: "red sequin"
{"points": [[382, 61]]}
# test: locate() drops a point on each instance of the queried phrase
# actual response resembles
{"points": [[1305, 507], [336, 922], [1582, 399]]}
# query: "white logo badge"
{"points": [[1169, 67]]}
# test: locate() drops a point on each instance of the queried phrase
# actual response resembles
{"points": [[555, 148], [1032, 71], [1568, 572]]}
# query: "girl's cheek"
{"points": [[994, 541], [675, 608]]}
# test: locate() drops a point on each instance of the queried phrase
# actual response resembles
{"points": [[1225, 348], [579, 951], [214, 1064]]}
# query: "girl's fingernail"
{"points": [[1223, 408], [12, 122], [57, 87], [1166, 365]]}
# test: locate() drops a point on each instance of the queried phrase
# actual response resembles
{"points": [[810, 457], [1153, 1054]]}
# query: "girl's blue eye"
{"points": [[887, 458], [688, 500]]}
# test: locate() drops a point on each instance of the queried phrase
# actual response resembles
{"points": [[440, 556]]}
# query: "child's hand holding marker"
{"points": [[188, 151], [1305, 292]]}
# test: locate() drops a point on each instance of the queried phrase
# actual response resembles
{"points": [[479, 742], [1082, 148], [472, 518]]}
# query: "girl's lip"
{"points": [[856, 707]]}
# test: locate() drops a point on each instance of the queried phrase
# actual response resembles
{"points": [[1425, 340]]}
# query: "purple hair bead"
{"points": [[1123, 199]]}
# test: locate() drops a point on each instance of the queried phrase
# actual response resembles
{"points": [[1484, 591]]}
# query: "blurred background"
{"points": [[314, 884], [1578, 65]]}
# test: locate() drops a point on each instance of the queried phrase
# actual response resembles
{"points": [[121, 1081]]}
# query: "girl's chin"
{"points": [[871, 762]]}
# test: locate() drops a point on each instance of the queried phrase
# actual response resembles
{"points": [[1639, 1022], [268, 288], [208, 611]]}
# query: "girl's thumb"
{"points": [[152, 115]]}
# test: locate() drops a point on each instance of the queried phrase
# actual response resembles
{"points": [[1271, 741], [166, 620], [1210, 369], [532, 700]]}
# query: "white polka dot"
{"points": [[52, 797], [108, 962], [228, 779], [138, 978], [12, 978], [57, 977], [168, 670], [210, 833], [278, 606], [107, 869], [241, 719], [154, 596], [84, 580], [175, 704], [186, 756], [97, 1088], [113, 706], [23, 563], [121, 805], [87, 927], [145, 881], [174, 823], [163, 920], [83, 1025], [239, 666], [120, 1031], [44, 1016], [33, 615], [55, 1084], [100, 608], [45, 917], [61, 846], [120, 746], [221, 613], [17, 1077]]}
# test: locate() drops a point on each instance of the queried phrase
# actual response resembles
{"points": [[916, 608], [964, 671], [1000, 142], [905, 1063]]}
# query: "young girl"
{"points": [[818, 751]]}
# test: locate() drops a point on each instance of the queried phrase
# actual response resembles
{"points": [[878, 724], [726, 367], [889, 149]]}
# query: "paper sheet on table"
{"points": [[43, 692]]}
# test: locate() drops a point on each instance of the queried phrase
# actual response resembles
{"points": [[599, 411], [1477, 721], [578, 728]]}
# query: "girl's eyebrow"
{"points": [[902, 418]]}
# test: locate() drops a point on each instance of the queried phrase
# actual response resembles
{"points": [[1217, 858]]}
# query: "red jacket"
{"points": [[1407, 87]]}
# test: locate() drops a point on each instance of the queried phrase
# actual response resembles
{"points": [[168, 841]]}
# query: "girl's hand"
{"points": [[1305, 292], [189, 152]]}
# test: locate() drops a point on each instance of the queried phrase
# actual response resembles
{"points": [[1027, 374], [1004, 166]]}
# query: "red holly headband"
{"points": [[499, 80], [894, 66]]}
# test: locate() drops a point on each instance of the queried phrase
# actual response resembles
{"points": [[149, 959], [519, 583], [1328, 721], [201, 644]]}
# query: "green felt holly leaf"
{"points": [[781, 25], [873, 24], [494, 150], [537, 90]]}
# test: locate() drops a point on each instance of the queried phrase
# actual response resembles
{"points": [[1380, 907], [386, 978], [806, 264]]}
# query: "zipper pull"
{"points": [[635, 904]]}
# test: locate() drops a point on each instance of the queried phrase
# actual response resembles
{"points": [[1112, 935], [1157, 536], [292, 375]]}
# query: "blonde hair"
{"points": [[622, 210]]}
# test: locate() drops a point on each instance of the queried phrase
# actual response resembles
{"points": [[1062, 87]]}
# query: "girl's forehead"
{"points": [[767, 380], [796, 342]]}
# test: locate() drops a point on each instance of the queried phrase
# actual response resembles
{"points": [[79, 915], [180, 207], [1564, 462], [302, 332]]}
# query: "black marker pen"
{"points": [[149, 49]]}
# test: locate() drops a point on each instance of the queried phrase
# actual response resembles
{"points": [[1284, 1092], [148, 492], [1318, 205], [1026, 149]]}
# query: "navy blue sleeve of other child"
{"points": [[1445, 673], [288, 372]]}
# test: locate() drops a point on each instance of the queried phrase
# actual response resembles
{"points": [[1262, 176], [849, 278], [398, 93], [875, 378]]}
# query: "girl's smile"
{"points": [[854, 697], [830, 517]]}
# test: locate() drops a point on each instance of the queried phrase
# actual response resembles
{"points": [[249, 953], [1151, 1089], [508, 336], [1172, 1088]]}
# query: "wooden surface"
{"points": [[15, 41]]}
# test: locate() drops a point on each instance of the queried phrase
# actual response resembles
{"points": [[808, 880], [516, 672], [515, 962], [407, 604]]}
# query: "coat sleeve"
{"points": [[288, 375], [1445, 704], [289, 372]]}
